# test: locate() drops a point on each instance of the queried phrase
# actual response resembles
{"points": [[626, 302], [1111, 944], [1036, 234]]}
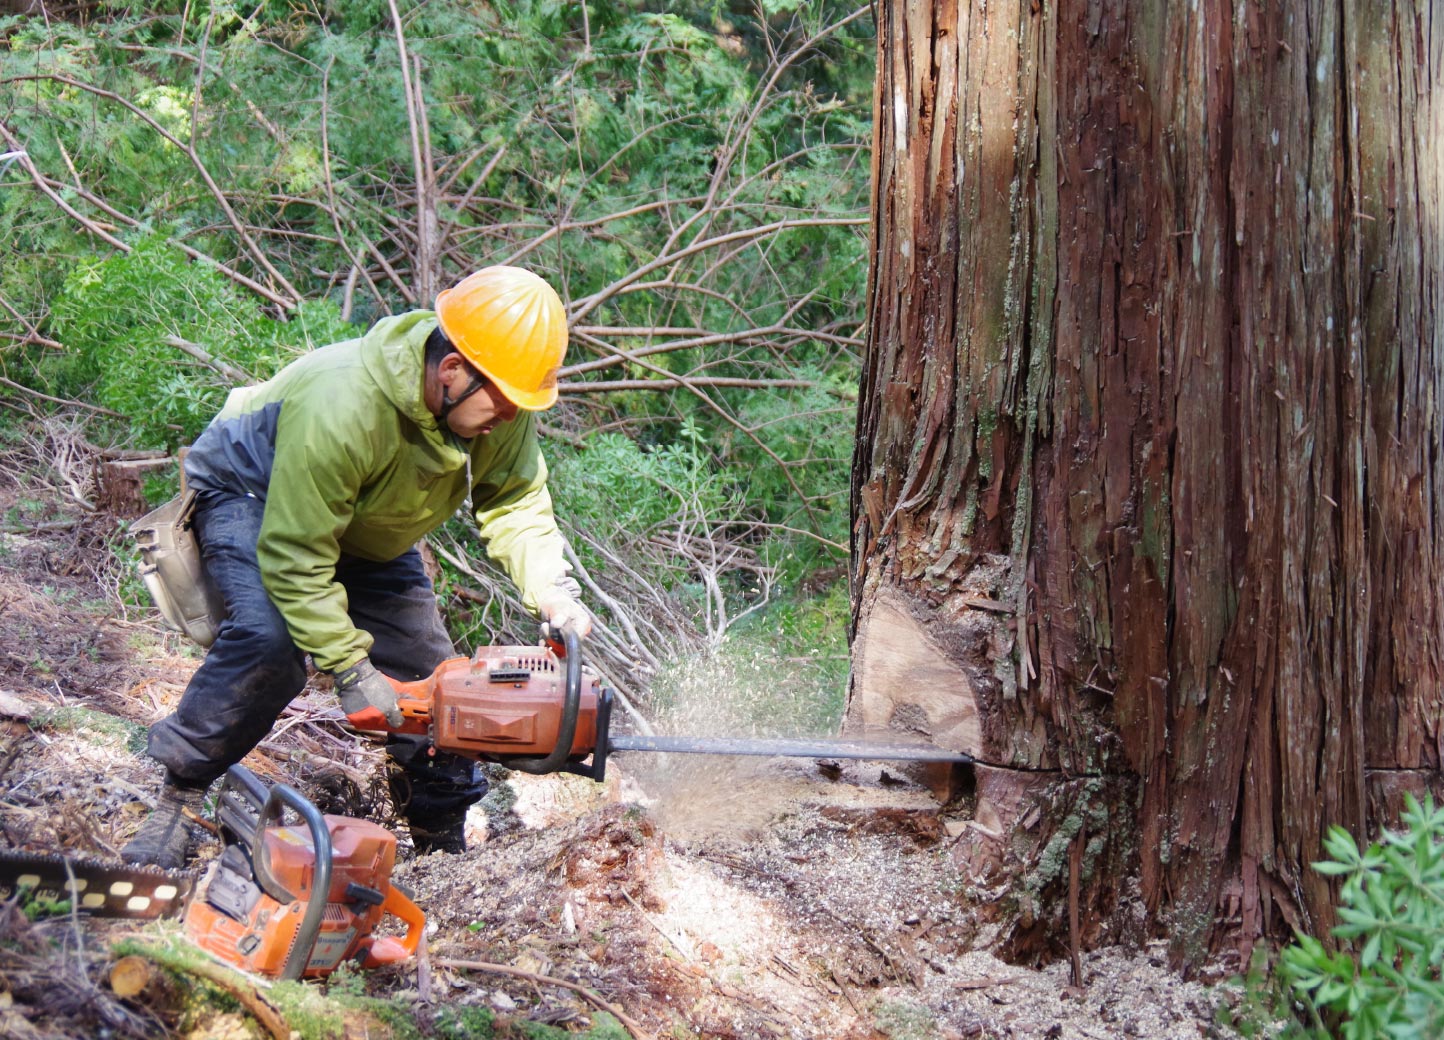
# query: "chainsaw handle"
{"points": [[415, 717], [413, 700], [571, 707], [286, 795], [389, 949]]}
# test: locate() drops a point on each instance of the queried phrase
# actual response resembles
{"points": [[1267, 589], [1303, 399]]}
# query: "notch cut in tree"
{"points": [[1156, 330]]}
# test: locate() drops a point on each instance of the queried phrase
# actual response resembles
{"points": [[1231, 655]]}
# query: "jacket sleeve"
{"points": [[315, 480], [515, 519]]}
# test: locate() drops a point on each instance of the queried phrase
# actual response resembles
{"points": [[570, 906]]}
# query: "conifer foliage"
{"points": [[198, 192]]}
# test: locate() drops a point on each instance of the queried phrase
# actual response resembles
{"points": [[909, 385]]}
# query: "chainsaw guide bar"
{"points": [[793, 747], [94, 886]]}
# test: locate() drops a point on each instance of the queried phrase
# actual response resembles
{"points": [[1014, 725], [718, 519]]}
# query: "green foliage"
{"points": [[603, 1027], [904, 1020], [160, 485], [615, 483], [811, 432], [1384, 981], [346, 981], [25, 513], [1258, 1004], [117, 315], [100, 728], [125, 562], [36, 907]]}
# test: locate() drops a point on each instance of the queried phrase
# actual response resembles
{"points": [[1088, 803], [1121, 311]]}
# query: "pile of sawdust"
{"points": [[801, 923]]}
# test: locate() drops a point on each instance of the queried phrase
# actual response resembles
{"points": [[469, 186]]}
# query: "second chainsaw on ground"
{"points": [[283, 900], [295, 902]]}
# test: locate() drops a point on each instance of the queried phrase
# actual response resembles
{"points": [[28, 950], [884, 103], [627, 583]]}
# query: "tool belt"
{"points": [[173, 571]]}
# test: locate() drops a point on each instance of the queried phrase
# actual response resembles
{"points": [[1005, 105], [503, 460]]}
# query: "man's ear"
{"points": [[449, 365]]}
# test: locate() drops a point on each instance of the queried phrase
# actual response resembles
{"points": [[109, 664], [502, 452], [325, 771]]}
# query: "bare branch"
{"points": [[41, 183], [58, 400], [189, 149], [581, 308], [331, 210], [427, 236], [235, 376], [32, 332]]}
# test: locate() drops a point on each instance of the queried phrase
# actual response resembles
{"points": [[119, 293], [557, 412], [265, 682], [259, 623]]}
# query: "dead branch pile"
{"points": [[47, 976]]}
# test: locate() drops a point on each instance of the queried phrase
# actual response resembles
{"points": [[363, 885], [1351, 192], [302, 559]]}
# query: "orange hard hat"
{"points": [[510, 324]]}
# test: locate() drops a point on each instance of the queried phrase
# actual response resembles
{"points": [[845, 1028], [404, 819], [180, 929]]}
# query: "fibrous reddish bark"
{"points": [[1148, 443]]}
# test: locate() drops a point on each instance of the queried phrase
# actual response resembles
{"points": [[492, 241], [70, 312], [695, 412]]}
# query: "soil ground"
{"points": [[706, 897]]}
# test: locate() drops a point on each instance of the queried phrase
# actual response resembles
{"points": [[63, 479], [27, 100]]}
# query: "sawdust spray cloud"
{"points": [[741, 691]]}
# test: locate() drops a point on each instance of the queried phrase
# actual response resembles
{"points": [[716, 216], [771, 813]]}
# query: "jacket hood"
{"points": [[394, 353]]}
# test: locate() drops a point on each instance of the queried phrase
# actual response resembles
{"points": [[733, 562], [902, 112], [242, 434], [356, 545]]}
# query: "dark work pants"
{"points": [[254, 669]]}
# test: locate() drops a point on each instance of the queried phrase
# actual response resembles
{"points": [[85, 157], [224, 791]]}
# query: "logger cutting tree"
{"points": [[311, 491]]}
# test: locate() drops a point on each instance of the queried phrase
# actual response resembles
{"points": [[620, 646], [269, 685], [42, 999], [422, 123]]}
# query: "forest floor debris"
{"points": [[708, 897]]}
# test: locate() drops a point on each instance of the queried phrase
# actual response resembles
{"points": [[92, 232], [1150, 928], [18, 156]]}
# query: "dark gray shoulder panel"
{"points": [[236, 454]]}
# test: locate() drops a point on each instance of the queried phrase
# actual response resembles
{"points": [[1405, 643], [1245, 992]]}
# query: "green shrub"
{"points": [[117, 314], [624, 495], [1256, 1003], [615, 484], [1385, 979]]}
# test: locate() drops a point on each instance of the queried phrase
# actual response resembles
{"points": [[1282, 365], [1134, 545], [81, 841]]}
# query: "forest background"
{"points": [[194, 194]]}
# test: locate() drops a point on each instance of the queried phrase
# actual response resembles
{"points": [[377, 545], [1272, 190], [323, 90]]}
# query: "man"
{"points": [[312, 490]]}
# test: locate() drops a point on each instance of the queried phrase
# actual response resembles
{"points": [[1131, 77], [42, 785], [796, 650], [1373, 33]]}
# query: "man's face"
{"points": [[478, 414]]}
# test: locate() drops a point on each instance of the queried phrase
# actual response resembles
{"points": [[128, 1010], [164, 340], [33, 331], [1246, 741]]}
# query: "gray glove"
{"points": [[562, 614], [366, 693]]}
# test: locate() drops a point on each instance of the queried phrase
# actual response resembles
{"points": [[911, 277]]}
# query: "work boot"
{"points": [[164, 839], [438, 834]]}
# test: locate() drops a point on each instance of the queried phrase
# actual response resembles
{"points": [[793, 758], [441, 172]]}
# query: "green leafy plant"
{"points": [[904, 1020], [1256, 1003], [38, 907], [123, 317], [1384, 981]]}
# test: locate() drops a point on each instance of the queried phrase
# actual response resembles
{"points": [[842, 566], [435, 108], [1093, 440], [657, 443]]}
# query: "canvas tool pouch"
{"points": [[173, 572]]}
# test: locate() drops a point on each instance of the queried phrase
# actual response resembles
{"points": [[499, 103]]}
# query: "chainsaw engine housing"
{"points": [[243, 924], [504, 701]]}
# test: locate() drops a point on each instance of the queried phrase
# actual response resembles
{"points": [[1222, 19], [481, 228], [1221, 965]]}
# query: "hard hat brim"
{"points": [[527, 401]]}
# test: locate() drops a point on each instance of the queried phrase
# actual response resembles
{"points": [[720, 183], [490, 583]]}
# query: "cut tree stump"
{"points": [[122, 485]]}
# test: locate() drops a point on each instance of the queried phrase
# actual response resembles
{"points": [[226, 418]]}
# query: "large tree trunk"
{"points": [[1147, 485]]}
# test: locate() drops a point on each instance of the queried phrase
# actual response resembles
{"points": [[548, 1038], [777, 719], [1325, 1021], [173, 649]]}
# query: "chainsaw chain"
{"points": [[95, 886]]}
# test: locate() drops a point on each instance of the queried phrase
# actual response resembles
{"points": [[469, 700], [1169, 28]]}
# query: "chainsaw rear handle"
{"points": [[282, 795], [571, 707], [388, 949]]}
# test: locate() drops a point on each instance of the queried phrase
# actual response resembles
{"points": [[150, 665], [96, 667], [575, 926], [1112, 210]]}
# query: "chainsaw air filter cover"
{"points": [[507, 700]]}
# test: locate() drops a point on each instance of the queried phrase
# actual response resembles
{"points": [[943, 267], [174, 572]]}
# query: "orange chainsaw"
{"points": [[538, 709], [284, 901]]}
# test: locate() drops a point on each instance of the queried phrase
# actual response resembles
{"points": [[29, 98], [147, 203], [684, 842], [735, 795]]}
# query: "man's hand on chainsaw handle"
{"points": [[361, 686], [563, 613]]}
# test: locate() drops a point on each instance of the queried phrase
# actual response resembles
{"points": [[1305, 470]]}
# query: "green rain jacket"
{"points": [[348, 459]]}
